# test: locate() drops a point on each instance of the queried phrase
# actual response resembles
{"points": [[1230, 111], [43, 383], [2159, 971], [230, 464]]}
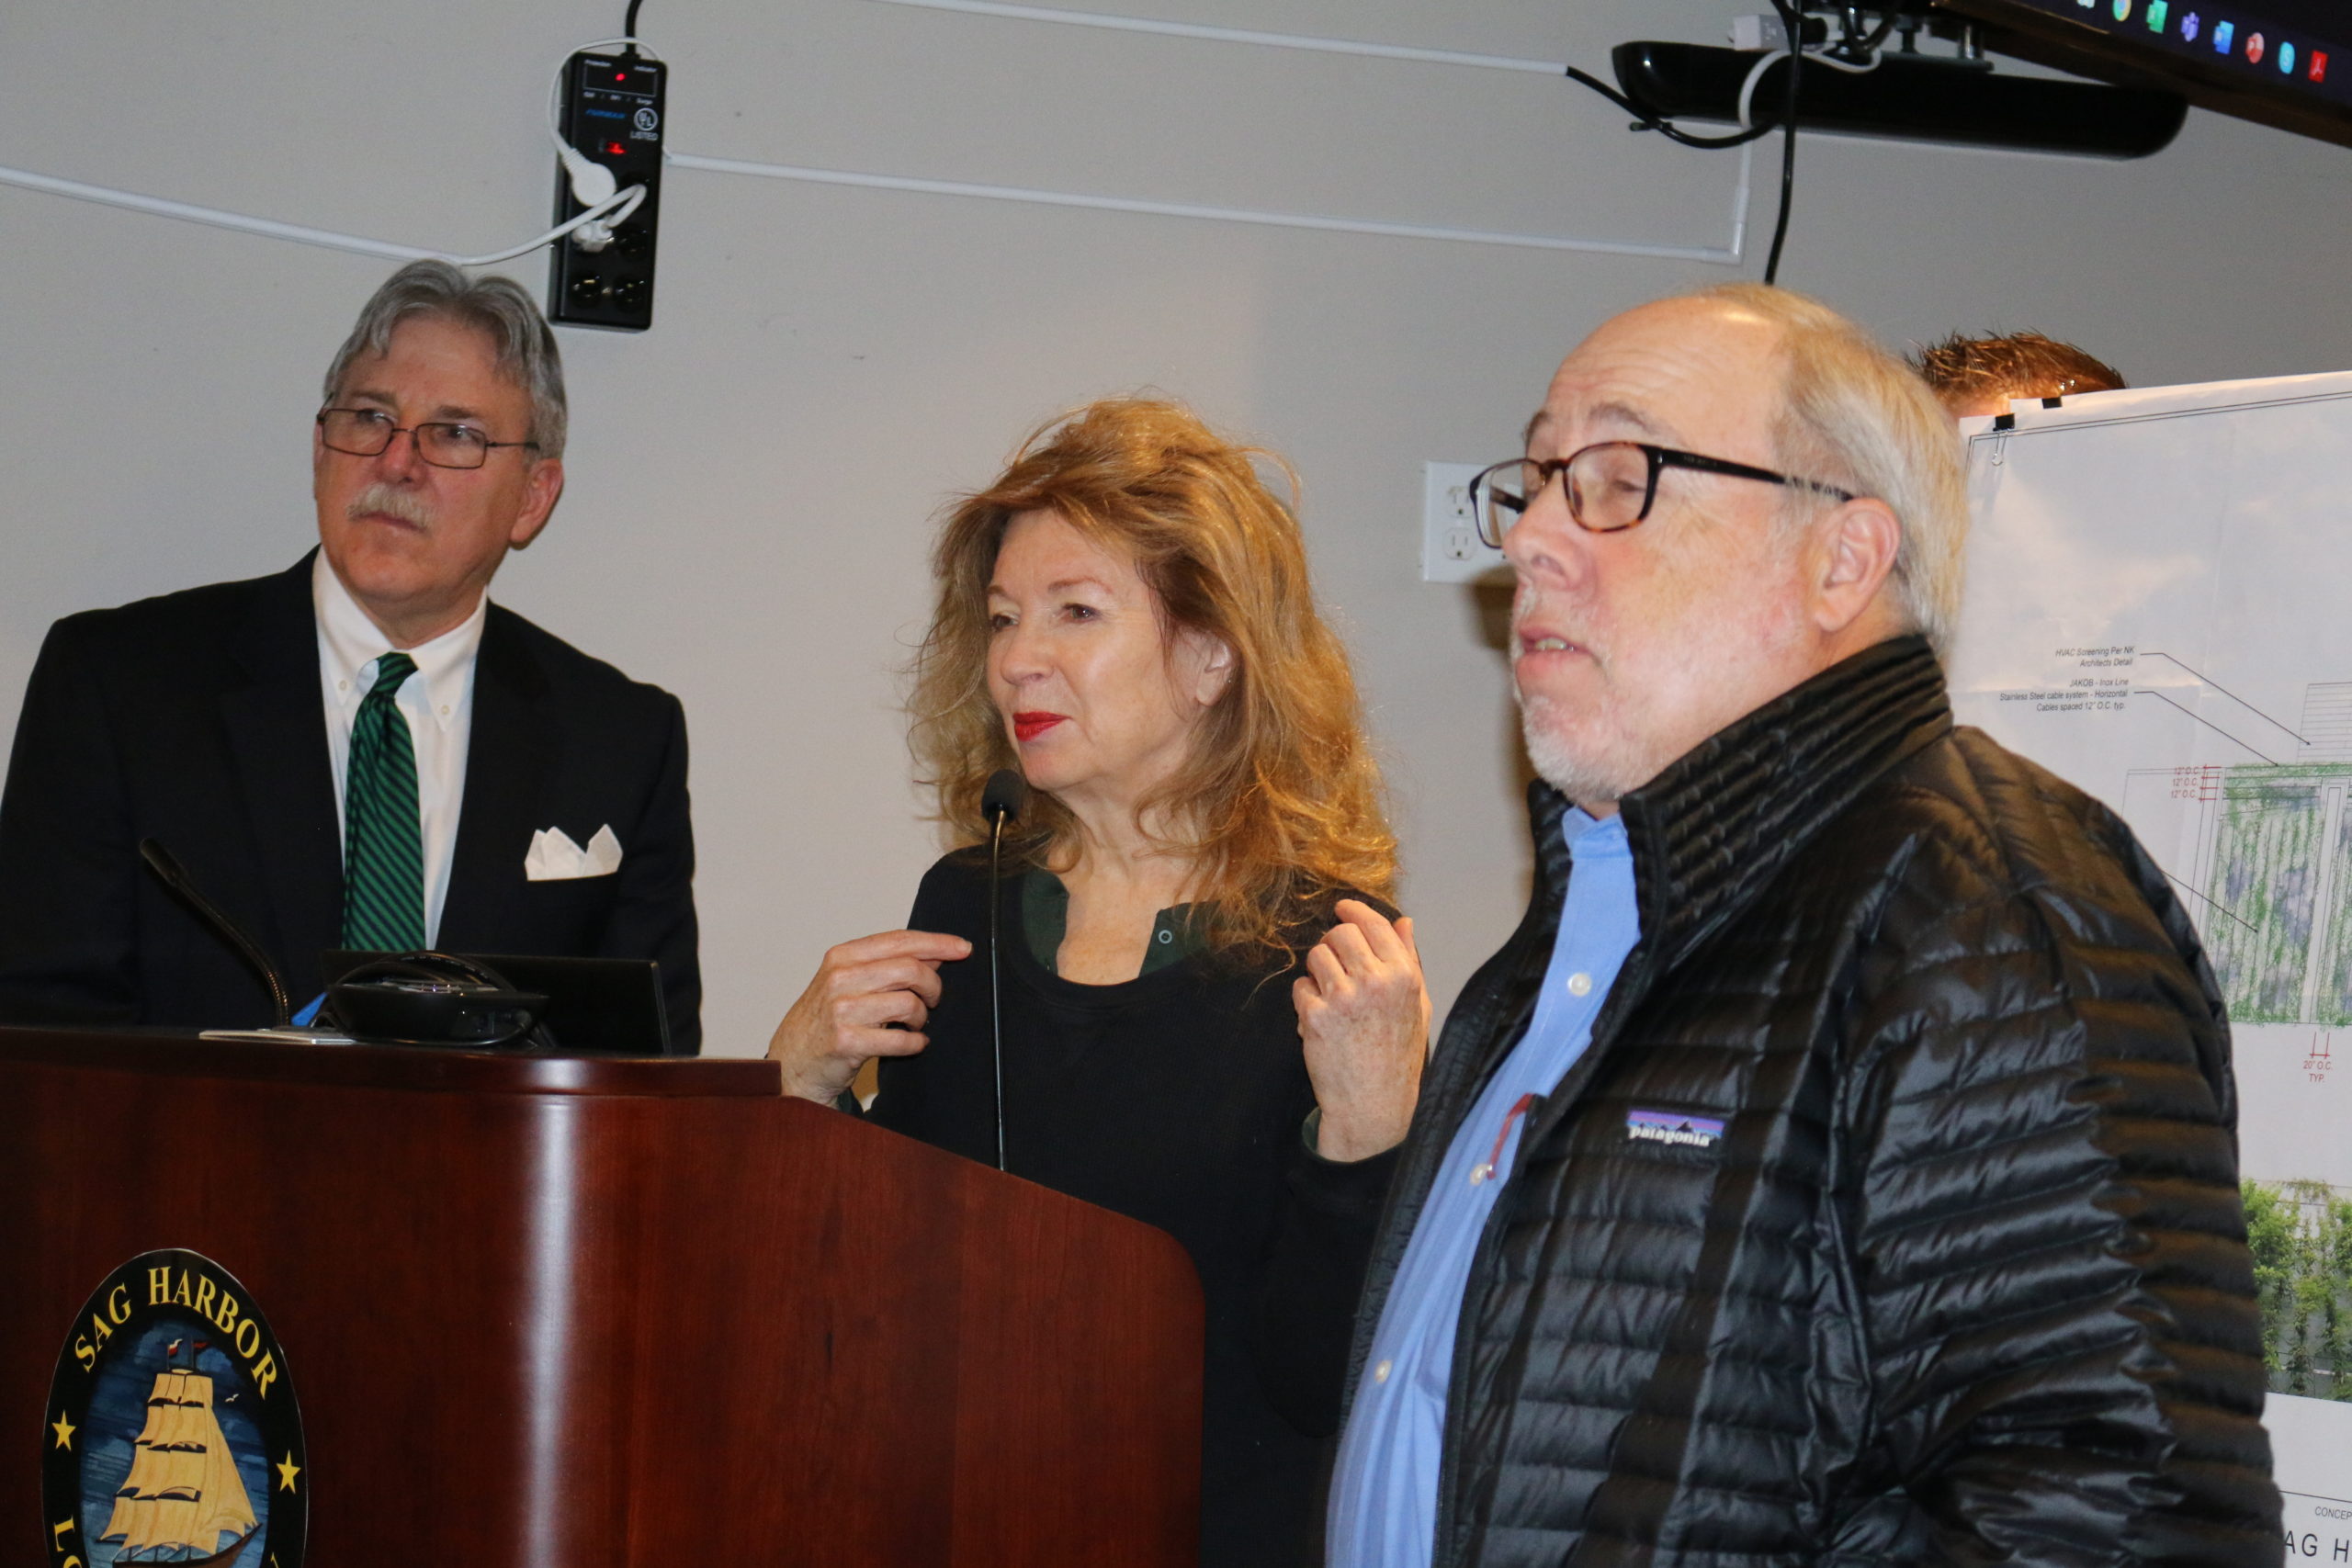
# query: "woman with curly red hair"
{"points": [[1212, 1021]]}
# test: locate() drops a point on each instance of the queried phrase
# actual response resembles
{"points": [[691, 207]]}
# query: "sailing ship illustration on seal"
{"points": [[183, 1502], [172, 1432]]}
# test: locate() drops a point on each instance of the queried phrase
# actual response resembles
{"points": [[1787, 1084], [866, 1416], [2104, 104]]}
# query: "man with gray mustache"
{"points": [[362, 752]]}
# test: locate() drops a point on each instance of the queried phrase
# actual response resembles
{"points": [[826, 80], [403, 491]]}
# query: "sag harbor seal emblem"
{"points": [[173, 1434]]}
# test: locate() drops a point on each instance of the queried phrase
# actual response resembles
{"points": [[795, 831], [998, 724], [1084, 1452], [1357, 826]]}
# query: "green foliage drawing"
{"points": [[2301, 1237], [2281, 876]]}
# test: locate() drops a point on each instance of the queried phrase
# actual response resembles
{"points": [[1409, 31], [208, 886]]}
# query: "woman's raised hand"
{"points": [[1364, 1015], [845, 1017]]}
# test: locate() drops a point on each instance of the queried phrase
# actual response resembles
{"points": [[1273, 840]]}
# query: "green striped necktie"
{"points": [[383, 857]]}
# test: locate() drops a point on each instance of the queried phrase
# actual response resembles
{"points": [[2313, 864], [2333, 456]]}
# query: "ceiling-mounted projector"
{"points": [[1909, 96]]}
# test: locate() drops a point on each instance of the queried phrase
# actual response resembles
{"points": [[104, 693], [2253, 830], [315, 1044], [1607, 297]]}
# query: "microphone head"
{"points": [[163, 861], [1005, 798]]}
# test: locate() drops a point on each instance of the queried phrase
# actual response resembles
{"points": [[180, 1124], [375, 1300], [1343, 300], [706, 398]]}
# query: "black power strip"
{"points": [[611, 111]]}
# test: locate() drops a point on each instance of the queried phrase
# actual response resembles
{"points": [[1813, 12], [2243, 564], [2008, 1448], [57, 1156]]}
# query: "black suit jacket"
{"points": [[196, 719]]}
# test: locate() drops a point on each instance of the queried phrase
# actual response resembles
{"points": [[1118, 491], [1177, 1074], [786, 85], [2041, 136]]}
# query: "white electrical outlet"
{"points": [[1451, 549]]}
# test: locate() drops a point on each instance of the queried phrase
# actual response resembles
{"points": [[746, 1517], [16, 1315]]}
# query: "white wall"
{"points": [[752, 482]]}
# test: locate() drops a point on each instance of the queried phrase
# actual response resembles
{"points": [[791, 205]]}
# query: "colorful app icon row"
{"points": [[2223, 36]]}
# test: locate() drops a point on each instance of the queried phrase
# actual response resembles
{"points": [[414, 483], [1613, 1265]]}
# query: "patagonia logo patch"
{"points": [[1677, 1128]]}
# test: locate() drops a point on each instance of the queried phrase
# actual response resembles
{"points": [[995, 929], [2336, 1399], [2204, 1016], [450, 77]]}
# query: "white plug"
{"points": [[591, 181], [592, 185]]}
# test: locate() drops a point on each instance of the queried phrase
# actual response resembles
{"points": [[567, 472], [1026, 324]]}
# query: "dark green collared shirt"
{"points": [[1045, 921]]}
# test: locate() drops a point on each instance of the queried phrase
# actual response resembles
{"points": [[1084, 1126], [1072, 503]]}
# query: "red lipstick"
{"points": [[1027, 727]]}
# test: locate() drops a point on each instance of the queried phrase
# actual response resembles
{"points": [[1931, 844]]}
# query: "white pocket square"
{"points": [[555, 857]]}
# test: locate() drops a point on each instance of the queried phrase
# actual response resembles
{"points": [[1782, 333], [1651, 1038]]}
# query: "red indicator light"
{"points": [[620, 75], [2319, 65], [616, 150]]}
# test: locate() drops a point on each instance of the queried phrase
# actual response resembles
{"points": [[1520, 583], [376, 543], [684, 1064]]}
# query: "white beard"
{"points": [[1618, 749], [1585, 780]]}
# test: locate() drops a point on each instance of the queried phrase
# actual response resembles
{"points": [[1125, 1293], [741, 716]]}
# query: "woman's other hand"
{"points": [[1364, 1015], [845, 1017]]}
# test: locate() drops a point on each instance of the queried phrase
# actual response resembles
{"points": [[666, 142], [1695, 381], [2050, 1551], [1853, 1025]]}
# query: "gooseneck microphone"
{"points": [[1003, 799], [172, 875]]}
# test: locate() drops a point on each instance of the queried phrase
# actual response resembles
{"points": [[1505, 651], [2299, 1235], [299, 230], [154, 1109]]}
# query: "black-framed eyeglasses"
{"points": [[1610, 485], [365, 433]]}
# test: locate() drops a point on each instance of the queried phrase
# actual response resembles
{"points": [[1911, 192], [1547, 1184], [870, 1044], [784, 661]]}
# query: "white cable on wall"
{"points": [[1728, 255], [1237, 35], [605, 208], [625, 201], [618, 206]]}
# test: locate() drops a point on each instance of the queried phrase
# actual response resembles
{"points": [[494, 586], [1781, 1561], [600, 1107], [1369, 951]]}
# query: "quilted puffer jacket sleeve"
{"points": [[2040, 1186]]}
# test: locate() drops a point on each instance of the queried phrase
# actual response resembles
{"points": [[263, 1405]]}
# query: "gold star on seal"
{"points": [[286, 1471], [64, 1430]]}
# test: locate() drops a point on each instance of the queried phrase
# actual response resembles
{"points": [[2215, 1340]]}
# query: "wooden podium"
{"points": [[580, 1311]]}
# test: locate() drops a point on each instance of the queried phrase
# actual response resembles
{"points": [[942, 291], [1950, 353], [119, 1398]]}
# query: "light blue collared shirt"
{"points": [[1384, 1496]]}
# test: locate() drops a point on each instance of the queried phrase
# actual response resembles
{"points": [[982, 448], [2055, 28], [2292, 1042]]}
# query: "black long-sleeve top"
{"points": [[1178, 1099]]}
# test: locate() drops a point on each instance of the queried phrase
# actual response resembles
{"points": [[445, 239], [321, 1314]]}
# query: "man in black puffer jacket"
{"points": [[1839, 1166]]}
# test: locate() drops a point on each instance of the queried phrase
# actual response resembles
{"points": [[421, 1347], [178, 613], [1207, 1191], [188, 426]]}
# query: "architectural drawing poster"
{"points": [[2160, 610]]}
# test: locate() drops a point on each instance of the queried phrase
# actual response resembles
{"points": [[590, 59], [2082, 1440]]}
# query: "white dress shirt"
{"points": [[438, 701]]}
